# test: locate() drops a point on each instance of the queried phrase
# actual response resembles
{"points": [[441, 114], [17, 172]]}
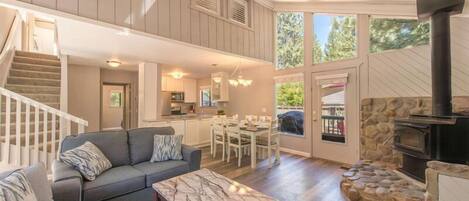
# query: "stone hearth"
{"points": [[377, 123], [377, 181]]}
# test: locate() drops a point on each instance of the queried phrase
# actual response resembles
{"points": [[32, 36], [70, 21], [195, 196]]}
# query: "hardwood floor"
{"points": [[296, 178]]}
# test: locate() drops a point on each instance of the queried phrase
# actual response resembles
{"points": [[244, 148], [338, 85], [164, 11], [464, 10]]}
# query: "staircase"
{"points": [[30, 110]]}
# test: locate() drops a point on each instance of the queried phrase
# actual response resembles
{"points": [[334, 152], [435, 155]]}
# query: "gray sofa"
{"points": [[131, 175]]}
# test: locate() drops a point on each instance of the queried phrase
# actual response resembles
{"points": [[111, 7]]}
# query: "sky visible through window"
{"points": [[322, 27]]}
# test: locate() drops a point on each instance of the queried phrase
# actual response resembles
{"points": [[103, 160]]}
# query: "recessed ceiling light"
{"points": [[113, 63]]}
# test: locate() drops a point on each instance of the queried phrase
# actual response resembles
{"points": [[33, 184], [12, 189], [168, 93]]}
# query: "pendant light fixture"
{"points": [[237, 79]]}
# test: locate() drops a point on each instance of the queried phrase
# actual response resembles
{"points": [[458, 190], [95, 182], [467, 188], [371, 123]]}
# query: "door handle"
{"points": [[314, 116]]}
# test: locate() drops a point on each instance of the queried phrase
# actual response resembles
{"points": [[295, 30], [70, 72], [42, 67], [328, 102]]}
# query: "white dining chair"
{"points": [[236, 141], [218, 136], [270, 141], [265, 118], [251, 118]]}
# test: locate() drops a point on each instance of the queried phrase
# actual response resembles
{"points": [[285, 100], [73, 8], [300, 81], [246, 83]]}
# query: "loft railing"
{"points": [[29, 130]]}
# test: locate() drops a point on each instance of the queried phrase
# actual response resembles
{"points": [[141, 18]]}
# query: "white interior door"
{"points": [[335, 116]]}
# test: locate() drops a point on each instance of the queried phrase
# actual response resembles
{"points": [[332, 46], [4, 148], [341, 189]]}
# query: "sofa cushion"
{"points": [[87, 159], [114, 182], [113, 144], [16, 187], [166, 147], [159, 171], [141, 142], [37, 176]]}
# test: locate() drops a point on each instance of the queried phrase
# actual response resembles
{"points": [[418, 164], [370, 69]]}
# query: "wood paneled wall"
{"points": [[407, 72], [176, 19]]}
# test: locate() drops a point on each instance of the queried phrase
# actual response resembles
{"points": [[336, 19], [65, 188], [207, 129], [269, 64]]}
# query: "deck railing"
{"points": [[28, 130], [333, 128]]}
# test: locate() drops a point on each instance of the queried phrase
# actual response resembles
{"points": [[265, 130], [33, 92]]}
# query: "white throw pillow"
{"points": [[166, 147], [87, 159], [16, 187]]}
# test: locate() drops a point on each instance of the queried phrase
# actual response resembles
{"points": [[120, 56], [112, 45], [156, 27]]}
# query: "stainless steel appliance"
{"points": [[177, 97], [165, 106]]}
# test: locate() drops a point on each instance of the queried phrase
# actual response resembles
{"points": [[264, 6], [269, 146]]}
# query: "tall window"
{"points": [[290, 39], [388, 34], [335, 38], [289, 92], [206, 97]]}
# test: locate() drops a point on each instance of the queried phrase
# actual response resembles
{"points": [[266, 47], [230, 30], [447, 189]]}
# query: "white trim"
{"points": [[295, 152], [8, 50], [330, 79], [112, 128], [294, 75], [266, 3]]}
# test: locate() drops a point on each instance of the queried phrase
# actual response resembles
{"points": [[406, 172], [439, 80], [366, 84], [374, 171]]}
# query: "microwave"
{"points": [[177, 96]]}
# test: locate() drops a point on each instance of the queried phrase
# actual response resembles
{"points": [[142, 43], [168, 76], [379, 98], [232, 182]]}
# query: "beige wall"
{"points": [[112, 117], [125, 77], [178, 20], [84, 94], [7, 16]]}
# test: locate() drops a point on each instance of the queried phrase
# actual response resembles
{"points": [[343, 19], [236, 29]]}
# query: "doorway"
{"points": [[43, 37], [115, 106], [335, 116]]}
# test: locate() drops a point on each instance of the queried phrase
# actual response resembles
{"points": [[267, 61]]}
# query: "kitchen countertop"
{"points": [[185, 117]]}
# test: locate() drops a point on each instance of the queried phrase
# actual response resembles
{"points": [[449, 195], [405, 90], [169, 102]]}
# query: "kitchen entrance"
{"points": [[335, 116], [115, 106]]}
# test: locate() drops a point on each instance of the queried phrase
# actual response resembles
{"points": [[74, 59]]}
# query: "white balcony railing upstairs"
{"points": [[31, 131]]}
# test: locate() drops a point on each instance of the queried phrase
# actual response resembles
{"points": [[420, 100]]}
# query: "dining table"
{"points": [[253, 134]]}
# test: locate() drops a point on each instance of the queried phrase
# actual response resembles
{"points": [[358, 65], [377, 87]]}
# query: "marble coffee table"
{"points": [[207, 186]]}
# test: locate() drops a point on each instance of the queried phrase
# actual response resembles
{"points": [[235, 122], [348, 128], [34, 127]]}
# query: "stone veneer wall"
{"points": [[377, 127]]}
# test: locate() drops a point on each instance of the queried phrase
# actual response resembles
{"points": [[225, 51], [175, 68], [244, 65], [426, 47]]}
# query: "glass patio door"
{"points": [[335, 116]]}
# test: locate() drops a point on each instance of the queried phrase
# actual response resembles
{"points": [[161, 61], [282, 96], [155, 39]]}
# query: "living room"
{"points": [[234, 100]]}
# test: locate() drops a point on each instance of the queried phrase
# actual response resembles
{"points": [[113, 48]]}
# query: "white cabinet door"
{"points": [[179, 128], [204, 131], [190, 90], [192, 132], [175, 85]]}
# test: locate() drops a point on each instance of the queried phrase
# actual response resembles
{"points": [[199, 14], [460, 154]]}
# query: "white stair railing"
{"points": [[32, 150]]}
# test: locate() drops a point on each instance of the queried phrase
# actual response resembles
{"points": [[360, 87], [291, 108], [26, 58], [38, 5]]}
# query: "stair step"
{"points": [[32, 89], [23, 116], [35, 67], [33, 81], [55, 105], [36, 55], [38, 61], [34, 74], [31, 137], [31, 126]]}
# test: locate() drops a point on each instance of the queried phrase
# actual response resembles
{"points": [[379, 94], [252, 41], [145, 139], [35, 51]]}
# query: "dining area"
{"points": [[253, 136]]}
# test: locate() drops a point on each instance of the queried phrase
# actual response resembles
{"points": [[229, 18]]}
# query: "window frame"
{"points": [[275, 44], [212, 103], [276, 83], [356, 56], [371, 17]]}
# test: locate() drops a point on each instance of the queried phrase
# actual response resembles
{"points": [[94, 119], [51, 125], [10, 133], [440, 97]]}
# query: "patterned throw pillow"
{"points": [[87, 159], [166, 147], [15, 187]]}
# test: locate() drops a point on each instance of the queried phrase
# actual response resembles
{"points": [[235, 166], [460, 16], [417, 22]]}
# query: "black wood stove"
{"points": [[442, 136]]}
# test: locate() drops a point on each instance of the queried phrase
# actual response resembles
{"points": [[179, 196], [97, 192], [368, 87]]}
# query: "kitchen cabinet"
{"points": [[188, 86], [220, 87], [196, 132], [204, 131], [190, 90], [192, 132]]}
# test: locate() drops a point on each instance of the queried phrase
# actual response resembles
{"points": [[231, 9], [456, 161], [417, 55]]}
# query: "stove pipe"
{"points": [[440, 12]]}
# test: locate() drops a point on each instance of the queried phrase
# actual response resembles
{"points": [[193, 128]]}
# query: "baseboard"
{"points": [[295, 152]]}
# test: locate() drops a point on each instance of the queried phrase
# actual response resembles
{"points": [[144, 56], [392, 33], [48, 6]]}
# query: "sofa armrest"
{"points": [[67, 183], [192, 155]]}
